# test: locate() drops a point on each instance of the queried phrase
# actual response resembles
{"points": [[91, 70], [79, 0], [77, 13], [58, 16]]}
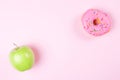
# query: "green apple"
{"points": [[22, 58]]}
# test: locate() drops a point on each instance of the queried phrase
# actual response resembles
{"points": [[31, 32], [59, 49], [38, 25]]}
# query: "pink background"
{"points": [[63, 50]]}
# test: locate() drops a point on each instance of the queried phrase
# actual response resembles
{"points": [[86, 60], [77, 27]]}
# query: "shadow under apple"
{"points": [[37, 53]]}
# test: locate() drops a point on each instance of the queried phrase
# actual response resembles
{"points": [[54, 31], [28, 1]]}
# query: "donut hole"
{"points": [[96, 21]]}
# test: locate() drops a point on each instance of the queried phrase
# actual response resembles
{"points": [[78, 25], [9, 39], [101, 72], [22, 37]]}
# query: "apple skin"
{"points": [[22, 58]]}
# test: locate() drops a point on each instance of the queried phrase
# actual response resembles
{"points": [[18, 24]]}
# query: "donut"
{"points": [[96, 22]]}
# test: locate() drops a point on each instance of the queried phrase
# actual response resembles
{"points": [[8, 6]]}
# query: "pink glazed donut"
{"points": [[96, 22]]}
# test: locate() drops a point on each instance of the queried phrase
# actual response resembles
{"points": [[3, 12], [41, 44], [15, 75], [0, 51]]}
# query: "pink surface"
{"points": [[63, 49], [96, 22]]}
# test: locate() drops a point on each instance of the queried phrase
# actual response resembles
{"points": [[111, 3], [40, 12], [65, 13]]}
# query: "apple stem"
{"points": [[15, 45]]}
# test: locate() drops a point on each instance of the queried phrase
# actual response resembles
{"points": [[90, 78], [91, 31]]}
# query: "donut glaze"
{"points": [[96, 22]]}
